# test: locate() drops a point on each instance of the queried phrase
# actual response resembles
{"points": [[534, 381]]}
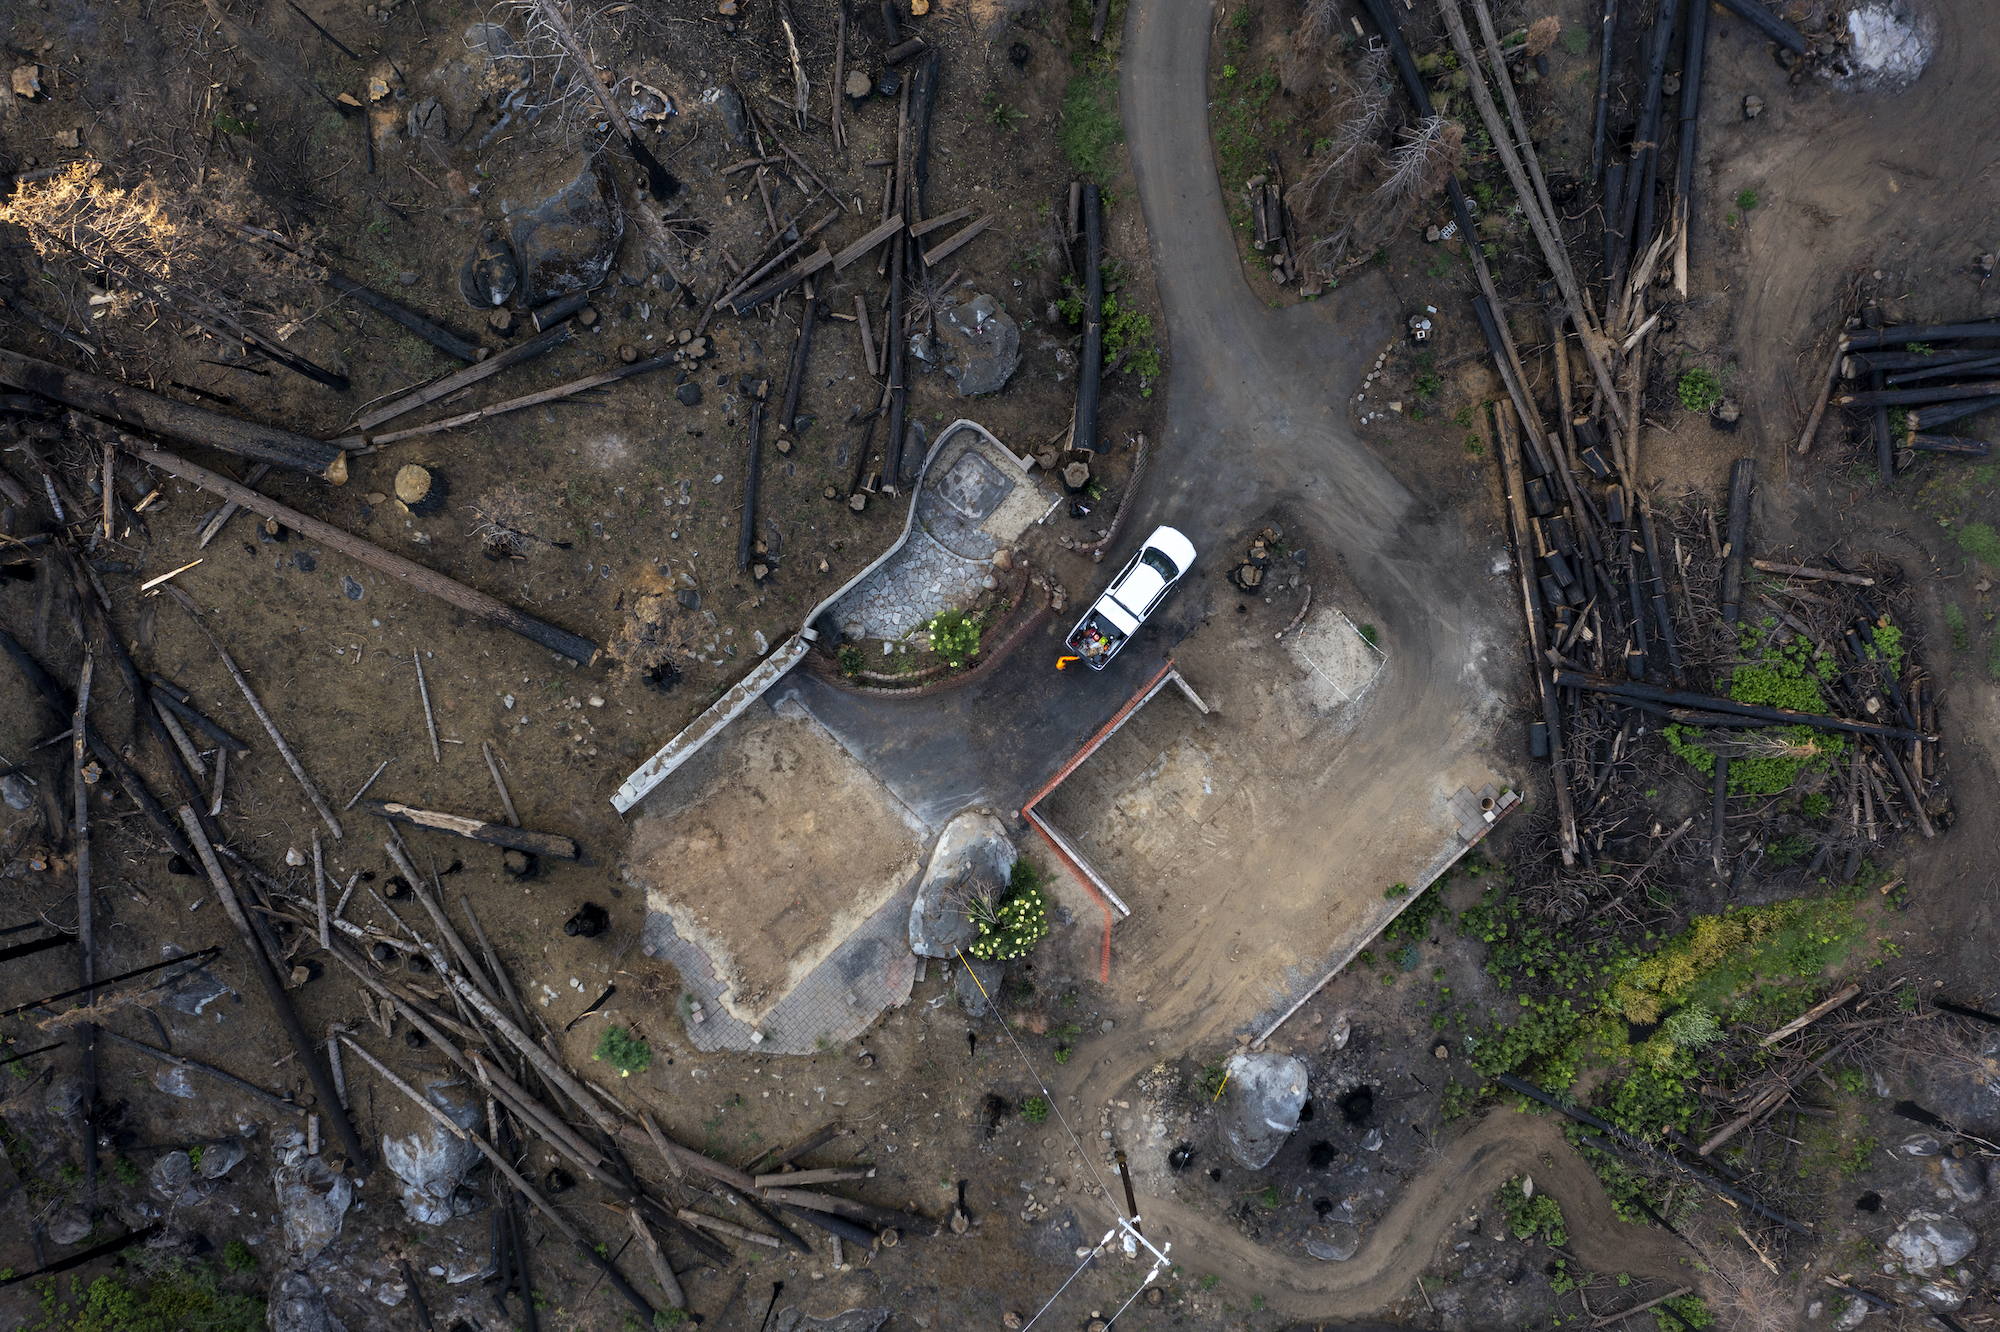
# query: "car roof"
{"points": [[1174, 546]]}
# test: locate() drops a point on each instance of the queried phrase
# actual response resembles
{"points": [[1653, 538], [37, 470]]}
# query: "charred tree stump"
{"points": [[1083, 431], [795, 377]]}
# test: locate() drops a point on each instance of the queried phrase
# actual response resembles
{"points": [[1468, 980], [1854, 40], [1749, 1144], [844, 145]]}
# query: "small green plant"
{"points": [[1980, 543], [1787, 851], [125, 1171], [1817, 805], [1006, 117], [1211, 1080], [1531, 1218], [1954, 619], [229, 124], [1035, 1110], [1063, 1053], [194, 1155], [1396, 890], [622, 1050], [1371, 635], [1688, 1312], [850, 660], [1269, 1197], [236, 1256], [1462, 418], [1746, 200], [1700, 390], [670, 1318], [1576, 40], [1015, 923], [1920, 348], [1229, 71], [1428, 386], [1210, 1281], [954, 636], [1473, 445]]}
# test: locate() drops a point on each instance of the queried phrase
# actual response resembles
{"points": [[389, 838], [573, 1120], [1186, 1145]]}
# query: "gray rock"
{"points": [[428, 120], [1921, 1145], [971, 854], [1850, 1314], [192, 992], [1371, 1141], [1965, 1178], [173, 1178], [689, 394], [1337, 1243], [794, 1319], [568, 241], [1941, 1295], [70, 1226], [734, 121], [489, 275], [1266, 1093], [432, 1163], [219, 1158], [311, 1200], [297, 1306], [983, 342], [1927, 1241], [174, 1082], [973, 982], [14, 790], [688, 598]]}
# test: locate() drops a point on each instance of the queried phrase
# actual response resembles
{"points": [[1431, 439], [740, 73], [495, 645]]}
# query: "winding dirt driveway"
{"points": [[1258, 416]]}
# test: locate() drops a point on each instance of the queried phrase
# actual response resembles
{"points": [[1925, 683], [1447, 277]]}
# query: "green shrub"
{"points": [[954, 636], [1090, 129], [1787, 851], [850, 660], [236, 1256], [1211, 1080], [622, 1050], [153, 1294], [125, 1171], [1012, 925], [1954, 619], [1746, 200], [1690, 1311], [1530, 1218], [1700, 390], [1371, 635], [1980, 543], [1817, 805], [1993, 659], [1035, 1110]]}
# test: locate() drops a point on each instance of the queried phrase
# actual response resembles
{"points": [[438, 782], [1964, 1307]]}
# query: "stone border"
{"points": [[1019, 627]]}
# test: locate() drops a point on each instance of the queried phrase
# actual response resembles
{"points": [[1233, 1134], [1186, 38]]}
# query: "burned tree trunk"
{"points": [[1740, 478], [1083, 433], [746, 537]]}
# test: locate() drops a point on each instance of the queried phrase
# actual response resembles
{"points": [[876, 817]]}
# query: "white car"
{"points": [[1139, 587]]}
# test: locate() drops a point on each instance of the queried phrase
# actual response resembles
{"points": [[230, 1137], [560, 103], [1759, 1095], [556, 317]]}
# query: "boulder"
{"points": [[1941, 1295], [295, 1305], [311, 1200], [982, 342], [1850, 1315], [219, 1158], [1927, 1241], [1335, 1243], [1261, 1107], [975, 983], [1965, 1178], [489, 275], [69, 1226], [173, 1178], [972, 851], [794, 1319], [568, 241], [432, 1163]]}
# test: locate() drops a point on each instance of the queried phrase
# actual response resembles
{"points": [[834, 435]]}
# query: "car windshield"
{"points": [[1160, 564]]}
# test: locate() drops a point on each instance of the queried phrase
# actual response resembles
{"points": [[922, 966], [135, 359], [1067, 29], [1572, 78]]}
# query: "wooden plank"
{"points": [[868, 242], [472, 374], [1811, 1015], [1801, 571], [929, 225], [781, 284], [938, 256], [496, 834]]}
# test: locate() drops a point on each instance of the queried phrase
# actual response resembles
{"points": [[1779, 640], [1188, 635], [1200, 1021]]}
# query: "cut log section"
{"points": [[928, 225], [932, 258], [527, 351], [163, 416], [495, 834]]}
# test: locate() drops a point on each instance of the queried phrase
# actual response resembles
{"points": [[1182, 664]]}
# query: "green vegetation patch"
{"points": [[622, 1050], [1091, 131], [1012, 925], [1539, 1217]]}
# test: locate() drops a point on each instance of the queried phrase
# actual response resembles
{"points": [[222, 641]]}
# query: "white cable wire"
{"points": [[1088, 1259]]}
